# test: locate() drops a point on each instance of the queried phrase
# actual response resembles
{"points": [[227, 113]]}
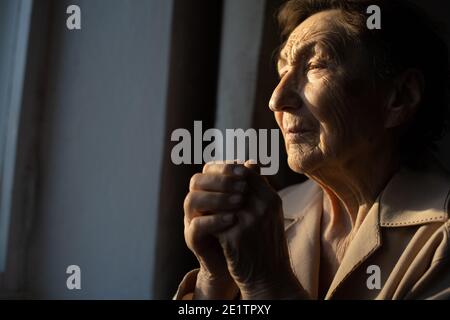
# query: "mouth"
{"points": [[293, 134]]}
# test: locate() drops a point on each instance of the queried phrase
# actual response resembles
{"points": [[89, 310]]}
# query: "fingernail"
{"points": [[235, 199], [240, 186], [228, 218], [238, 170]]}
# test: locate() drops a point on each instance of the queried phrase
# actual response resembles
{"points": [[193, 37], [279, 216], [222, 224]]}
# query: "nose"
{"points": [[285, 96]]}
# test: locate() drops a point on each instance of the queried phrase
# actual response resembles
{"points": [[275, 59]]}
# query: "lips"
{"points": [[295, 133], [296, 129]]}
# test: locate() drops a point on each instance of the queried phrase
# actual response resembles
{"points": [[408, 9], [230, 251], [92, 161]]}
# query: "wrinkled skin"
{"points": [[246, 252], [329, 97], [339, 130]]}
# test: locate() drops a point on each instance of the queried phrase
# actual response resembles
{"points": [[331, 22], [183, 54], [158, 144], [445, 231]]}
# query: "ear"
{"points": [[404, 98]]}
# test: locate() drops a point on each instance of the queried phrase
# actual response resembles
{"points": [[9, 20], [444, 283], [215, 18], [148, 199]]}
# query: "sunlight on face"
{"points": [[325, 103]]}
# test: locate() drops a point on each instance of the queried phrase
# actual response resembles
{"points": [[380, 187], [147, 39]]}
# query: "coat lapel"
{"points": [[303, 236], [365, 243], [410, 198]]}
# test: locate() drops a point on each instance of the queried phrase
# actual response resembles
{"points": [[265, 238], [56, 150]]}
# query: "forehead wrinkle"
{"points": [[329, 32], [303, 36], [298, 40], [329, 43]]}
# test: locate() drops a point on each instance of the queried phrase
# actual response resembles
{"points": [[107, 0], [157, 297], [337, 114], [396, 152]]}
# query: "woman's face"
{"points": [[325, 103]]}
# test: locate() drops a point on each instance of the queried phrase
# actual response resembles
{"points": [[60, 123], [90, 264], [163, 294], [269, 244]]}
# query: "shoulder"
{"points": [[297, 197]]}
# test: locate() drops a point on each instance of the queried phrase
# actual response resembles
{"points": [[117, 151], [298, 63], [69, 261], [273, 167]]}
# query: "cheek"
{"points": [[329, 105], [349, 113], [323, 101], [279, 119]]}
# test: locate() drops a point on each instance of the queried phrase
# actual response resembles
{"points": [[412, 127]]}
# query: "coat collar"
{"points": [[414, 198], [410, 198]]}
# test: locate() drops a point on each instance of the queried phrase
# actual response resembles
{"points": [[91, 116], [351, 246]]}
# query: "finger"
{"points": [[201, 202], [244, 219], [217, 183], [257, 183], [222, 168], [203, 226]]}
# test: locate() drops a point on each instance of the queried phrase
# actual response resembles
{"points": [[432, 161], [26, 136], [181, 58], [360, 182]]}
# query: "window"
{"points": [[15, 17]]}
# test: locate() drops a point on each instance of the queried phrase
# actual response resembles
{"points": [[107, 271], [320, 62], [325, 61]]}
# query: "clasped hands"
{"points": [[233, 223]]}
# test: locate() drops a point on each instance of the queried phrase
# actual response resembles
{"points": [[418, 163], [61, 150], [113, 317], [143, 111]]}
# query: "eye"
{"points": [[315, 65]]}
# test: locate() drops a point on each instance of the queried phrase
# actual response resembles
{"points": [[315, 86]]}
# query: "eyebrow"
{"points": [[293, 54], [330, 44]]}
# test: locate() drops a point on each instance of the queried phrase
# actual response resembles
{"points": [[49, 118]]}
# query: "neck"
{"points": [[352, 186]]}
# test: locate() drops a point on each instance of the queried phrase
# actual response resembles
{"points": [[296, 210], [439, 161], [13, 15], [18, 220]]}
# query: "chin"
{"points": [[303, 160], [295, 165]]}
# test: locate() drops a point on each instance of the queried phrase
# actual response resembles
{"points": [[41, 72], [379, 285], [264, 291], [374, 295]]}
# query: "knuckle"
{"points": [[188, 236], [192, 242], [195, 181], [188, 202], [195, 233], [209, 166], [195, 226]]}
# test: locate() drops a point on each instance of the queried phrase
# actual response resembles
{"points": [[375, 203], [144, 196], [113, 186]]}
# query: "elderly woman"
{"points": [[358, 109]]}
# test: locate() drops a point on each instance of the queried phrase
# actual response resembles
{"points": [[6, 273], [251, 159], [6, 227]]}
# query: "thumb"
{"points": [[258, 182]]}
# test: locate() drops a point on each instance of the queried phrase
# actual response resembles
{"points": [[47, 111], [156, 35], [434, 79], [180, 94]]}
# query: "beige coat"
{"points": [[406, 234]]}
